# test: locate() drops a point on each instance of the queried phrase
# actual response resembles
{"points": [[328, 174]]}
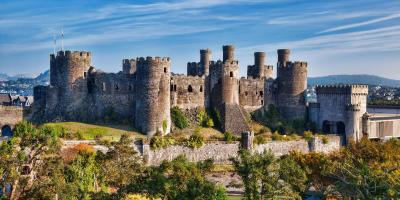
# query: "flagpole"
{"points": [[62, 39]]}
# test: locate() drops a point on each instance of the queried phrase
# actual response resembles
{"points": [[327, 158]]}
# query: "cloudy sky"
{"points": [[335, 37]]}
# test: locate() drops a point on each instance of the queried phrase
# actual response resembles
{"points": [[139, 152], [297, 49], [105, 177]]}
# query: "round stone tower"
{"points": [[283, 56], [259, 58], [230, 76], [66, 68], [152, 113], [292, 85], [353, 123], [260, 69], [205, 58], [228, 52]]}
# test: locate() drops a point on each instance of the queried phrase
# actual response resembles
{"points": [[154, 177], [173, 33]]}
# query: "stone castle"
{"points": [[145, 90]]}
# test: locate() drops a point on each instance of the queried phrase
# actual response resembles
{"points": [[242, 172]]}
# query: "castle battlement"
{"points": [[295, 64], [356, 89], [128, 61], [149, 59], [74, 54], [353, 107]]}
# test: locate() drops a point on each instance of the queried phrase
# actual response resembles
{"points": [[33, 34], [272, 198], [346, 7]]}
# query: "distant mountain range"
{"points": [[353, 79], [43, 77]]}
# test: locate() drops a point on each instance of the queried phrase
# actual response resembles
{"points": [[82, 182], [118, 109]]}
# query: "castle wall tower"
{"points": [[292, 84], [66, 68], [259, 69], [129, 66], [205, 58], [152, 113], [228, 52], [353, 132], [230, 76], [283, 56]]}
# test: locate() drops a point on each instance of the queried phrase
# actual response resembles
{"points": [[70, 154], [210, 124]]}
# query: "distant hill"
{"points": [[43, 77], [353, 79]]}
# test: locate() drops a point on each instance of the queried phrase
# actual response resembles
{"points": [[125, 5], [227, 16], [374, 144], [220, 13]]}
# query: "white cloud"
{"points": [[354, 25]]}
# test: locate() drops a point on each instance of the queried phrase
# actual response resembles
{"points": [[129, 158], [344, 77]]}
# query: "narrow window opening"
{"points": [[246, 93], [104, 87], [201, 88], [262, 102], [231, 74], [116, 87], [261, 93], [172, 88], [84, 74], [175, 88], [165, 70], [130, 87], [190, 89]]}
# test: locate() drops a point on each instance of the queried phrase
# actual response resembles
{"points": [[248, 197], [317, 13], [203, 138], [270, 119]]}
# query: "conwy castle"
{"points": [[145, 90]]}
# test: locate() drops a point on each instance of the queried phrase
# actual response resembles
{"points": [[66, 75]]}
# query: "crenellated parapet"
{"points": [[129, 66], [342, 89], [353, 107]]}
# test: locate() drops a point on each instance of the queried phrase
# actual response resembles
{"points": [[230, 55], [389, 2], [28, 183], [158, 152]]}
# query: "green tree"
{"points": [[177, 179], [84, 173], [121, 165], [179, 118], [265, 177], [24, 158]]}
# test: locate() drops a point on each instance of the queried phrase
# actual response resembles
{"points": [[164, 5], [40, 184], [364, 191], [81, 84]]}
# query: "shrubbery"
{"points": [[229, 137], [194, 141], [179, 118]]}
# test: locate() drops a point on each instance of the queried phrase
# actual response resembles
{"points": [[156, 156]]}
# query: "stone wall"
{"points": [[10, 115], [280, 148], [187, 92], [251, 93], [334, 143], [220, 152]]}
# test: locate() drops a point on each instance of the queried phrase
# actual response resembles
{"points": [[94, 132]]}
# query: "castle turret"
{"points": [[152, 113], [228, 52], [259, 69], [205, 58], [230, 77], [292, 84], [68, 67], [353, 132], [283, 56], [128, 66]]}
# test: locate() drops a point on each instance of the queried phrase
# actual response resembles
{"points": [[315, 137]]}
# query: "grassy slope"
{"points": [[89, 131]]}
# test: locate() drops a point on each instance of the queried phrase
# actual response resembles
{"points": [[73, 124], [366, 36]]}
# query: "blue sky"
{"points": [[335, 37]]}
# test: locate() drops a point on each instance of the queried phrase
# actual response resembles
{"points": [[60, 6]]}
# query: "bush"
{"points": [[229, 137], [325, 140], [164, 126], [276, 136], [216, 117], [210, 123], [308, 135], [159, 142], [260, 139], [179, 118], [195, 141]]}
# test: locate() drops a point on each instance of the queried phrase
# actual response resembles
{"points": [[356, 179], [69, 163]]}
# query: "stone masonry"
{"points": [[145, 90]]}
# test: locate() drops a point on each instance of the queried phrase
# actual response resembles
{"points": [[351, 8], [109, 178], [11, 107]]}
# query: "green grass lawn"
{"points": [[91, 131], [234, 197]]}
